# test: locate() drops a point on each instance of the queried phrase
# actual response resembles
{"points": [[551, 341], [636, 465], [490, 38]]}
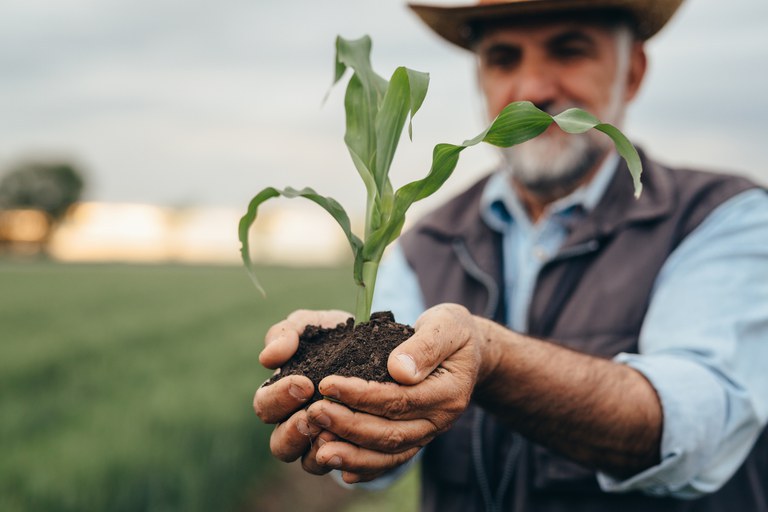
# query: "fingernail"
{"points": [[408, 363], [334, 461], [303, 427], [320, 442], [330, 391], [322, 420], [297, 392]]}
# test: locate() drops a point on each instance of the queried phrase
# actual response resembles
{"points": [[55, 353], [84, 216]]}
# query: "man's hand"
{"points": [[282, 402], [386, 424]]}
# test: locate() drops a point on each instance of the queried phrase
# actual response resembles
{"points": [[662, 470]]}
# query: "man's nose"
{"points": [[536, 83]]}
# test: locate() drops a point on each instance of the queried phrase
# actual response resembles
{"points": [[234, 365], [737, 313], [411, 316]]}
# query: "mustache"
{"points": [[553, 108]]}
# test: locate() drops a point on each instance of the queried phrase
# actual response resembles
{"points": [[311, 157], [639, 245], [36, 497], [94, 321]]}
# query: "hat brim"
{"points": [[455, 23]]}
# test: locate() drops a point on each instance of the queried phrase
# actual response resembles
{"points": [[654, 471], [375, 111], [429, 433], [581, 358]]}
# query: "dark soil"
{"points": [[347, 350]]}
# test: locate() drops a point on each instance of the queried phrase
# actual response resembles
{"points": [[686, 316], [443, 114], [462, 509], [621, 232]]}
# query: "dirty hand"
{"points": [[386, 424], [283, 402]]}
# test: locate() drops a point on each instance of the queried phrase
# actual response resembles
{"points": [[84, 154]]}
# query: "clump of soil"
{"points": [[346, 350]]}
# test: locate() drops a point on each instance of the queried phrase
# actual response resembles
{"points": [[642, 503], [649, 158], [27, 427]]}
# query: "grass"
{"points": [[127, 388]]}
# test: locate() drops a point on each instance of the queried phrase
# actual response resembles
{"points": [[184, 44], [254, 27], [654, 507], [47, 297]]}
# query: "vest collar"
{"points": [[618, 209]]}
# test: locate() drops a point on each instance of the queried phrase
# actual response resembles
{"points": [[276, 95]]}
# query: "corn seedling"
{"points": [[376, 113]]}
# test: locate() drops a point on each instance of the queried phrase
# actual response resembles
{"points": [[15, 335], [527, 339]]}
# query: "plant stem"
{"points": [[365, 292], [361, 313]]}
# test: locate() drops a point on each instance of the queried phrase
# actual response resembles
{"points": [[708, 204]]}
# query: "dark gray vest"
{"points": [[592, 297]]}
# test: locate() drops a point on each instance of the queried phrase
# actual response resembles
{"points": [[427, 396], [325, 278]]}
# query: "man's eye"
{"points": [[570, 52], [502, 60]]}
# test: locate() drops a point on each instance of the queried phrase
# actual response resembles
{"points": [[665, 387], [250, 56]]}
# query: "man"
{"points": [[649, 390]]}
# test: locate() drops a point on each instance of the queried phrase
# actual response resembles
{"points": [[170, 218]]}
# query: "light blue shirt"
{"points": [[704, 342]]}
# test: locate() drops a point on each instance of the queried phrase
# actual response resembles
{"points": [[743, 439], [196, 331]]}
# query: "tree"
{"points": [[51, 187], [34, 197]]}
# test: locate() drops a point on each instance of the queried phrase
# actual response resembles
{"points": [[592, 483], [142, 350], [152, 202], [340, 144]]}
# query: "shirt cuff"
{"points": [[694, 408]]}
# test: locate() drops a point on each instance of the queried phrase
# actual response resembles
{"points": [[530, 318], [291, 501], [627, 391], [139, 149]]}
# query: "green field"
{"points": [[128, 388]]}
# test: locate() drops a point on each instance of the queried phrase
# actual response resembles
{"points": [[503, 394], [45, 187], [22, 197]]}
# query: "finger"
{"points": [[277, 401], [280, 343], [282, 339], [309, 460], [437, 398], [350, 458], [292, 438], [440, 331], [369, 431], [354, 478]]}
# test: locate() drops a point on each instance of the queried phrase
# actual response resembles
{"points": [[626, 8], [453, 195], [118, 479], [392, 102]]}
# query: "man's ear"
{"points": [[638, 63]]}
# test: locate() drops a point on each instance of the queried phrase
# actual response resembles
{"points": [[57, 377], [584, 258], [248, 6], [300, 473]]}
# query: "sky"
{"points": [[203, 102]]}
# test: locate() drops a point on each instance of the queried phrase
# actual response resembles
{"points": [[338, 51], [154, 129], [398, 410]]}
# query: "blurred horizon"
{"points": [[100, 232], [181, 104]]}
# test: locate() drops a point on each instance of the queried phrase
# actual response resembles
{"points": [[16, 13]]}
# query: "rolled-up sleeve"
{"points": [[704, 347]]}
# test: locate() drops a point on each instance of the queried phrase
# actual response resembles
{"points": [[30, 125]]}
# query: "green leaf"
{"points": [[517, 123], [575, 120], [419, 83], [405, 95], [360, 135], [365, 92], [328, 204], [373, 206], [245, 225], [627, 152], [356, 54], [390, 120]]}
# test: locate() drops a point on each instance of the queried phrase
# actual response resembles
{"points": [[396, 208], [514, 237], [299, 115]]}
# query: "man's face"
{"points": [[556, 66]]}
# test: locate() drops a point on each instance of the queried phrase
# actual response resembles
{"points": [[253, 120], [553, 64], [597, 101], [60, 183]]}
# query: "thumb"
{"points": [[440, 332]]}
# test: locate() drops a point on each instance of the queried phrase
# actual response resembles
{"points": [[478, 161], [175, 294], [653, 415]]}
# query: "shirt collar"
{"points": [[500, 204]]}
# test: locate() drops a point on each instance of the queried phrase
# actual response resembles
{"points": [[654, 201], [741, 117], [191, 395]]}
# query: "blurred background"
{"points": [[132, 136]]}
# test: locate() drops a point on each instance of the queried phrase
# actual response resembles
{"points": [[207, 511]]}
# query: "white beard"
{"points": [[553, 164]]}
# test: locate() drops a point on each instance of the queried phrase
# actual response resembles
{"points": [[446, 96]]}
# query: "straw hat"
{"points": [[455, 23]]}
